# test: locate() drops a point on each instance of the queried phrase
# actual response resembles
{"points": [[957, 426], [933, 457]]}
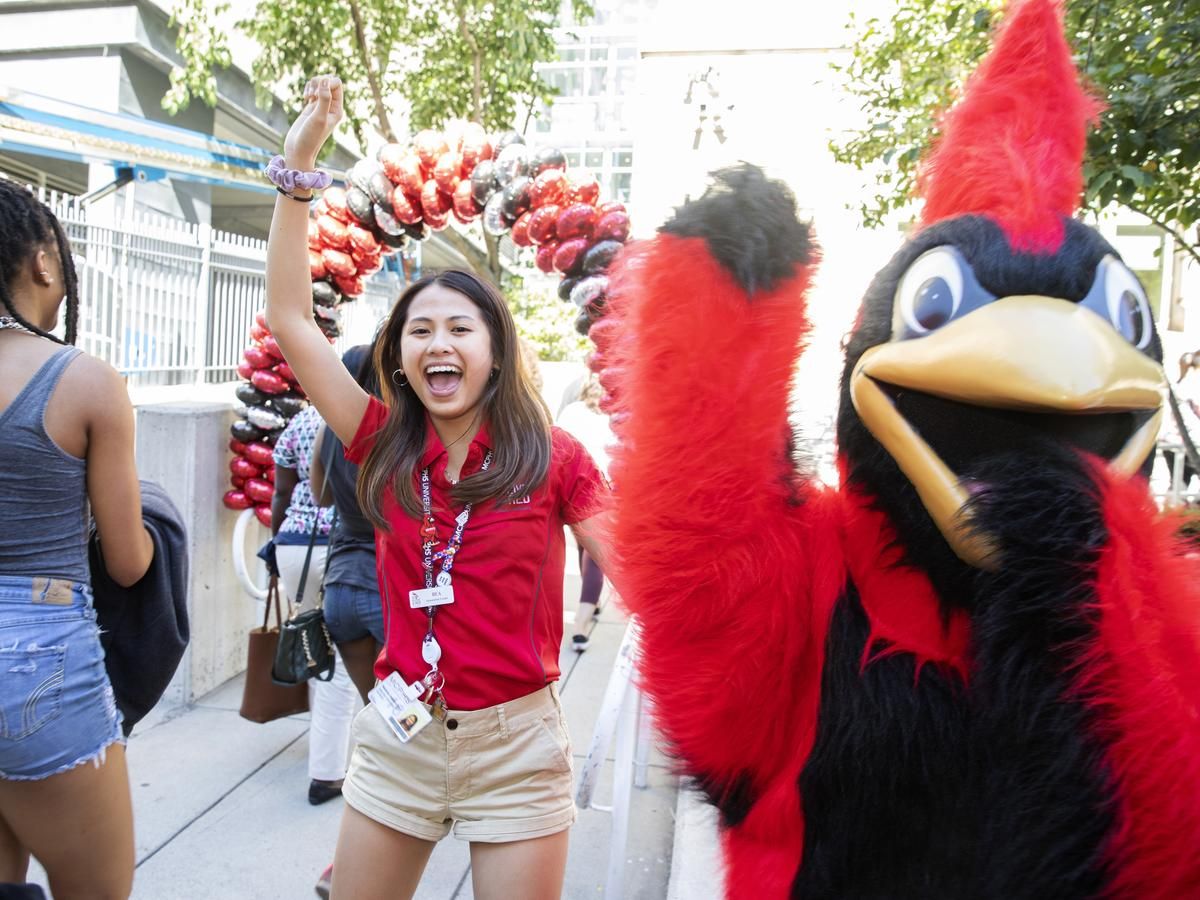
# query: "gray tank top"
{"points": [[43, 490]]}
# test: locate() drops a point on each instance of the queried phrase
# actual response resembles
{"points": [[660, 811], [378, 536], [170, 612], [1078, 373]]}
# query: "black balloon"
{"points": [[249, 394], [395, 241], [287, 405], [583, 323], [418, 232], [599, 257], [483, 182], [359, 203], [566, 286], [547, 158], [245, 432], [516, 197], [387, 223], [380, 189], [362, 172], [329, 329], [265, 418], [506, 139], [324, 294]]}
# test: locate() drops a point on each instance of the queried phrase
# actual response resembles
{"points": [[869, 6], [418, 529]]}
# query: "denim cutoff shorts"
{"points": [[353, 612], [57, 708]]}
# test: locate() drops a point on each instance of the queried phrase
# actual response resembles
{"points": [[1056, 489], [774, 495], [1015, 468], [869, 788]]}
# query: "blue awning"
{"points": [[42, 126]]}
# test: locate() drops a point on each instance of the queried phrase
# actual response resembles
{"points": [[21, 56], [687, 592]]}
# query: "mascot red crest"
{"points": [[972, 670]]}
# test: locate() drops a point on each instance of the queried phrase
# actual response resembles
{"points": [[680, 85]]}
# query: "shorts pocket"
{"points": [[33, 686], [554, 729]]}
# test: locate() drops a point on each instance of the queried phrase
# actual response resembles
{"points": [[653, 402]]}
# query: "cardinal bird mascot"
{"points": [[972, 671]]}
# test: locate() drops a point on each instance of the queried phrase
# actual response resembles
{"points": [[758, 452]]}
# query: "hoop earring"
{"points": [[396, 381], [493, 374]]}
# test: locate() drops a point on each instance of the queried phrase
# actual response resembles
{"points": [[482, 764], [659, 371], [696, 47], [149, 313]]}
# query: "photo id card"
{"points": [[409, 721], [434, 596]]}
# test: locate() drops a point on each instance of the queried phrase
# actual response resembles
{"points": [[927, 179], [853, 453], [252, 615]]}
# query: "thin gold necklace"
{"points": [[454, 481]]}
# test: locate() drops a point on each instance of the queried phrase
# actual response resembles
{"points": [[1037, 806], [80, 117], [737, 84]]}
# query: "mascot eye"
{"points": [[1118, 296], [929, 295]]}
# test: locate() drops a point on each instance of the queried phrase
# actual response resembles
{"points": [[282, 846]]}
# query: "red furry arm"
{"points": [[710, 552]]}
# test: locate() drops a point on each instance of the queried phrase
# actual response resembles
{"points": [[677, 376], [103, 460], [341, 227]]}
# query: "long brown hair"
{"points": [[515, 413]]}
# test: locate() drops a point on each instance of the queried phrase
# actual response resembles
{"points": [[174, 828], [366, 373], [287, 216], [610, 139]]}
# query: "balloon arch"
{"points": [[405, 194]]}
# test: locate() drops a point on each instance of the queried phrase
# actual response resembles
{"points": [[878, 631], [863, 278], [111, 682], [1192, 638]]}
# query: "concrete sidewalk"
{"points": [[221, 806]]}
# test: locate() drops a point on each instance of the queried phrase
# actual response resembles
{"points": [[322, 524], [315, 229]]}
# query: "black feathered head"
{"points": [[1003, 328]]}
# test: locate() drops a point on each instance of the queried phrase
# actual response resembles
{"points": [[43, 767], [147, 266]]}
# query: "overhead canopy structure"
{"points": [[42, 126]]}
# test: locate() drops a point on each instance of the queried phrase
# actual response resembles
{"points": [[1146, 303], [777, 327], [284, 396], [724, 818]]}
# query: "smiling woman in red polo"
{"points": [[469, 487]]}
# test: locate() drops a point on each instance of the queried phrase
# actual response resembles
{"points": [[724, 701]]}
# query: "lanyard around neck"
{"points": [[429, 533]]}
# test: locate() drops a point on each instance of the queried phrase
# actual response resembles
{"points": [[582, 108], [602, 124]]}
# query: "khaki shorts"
{"points": [[493, 775]]}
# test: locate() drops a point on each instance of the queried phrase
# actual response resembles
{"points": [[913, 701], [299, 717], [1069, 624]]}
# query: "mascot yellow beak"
{"points": [[1028, 354]]}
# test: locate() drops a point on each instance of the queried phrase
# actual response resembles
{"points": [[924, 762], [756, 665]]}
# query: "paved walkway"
{"points": [[221, 806]]}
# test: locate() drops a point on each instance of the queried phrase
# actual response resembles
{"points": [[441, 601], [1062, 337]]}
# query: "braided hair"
{"points": [[26, 223]]}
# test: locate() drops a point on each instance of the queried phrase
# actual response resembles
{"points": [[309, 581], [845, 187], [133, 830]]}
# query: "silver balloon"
{"points": [[512, 161], [361, 172], [588, 289], [328, 313], [493, 215], [263, 418]]}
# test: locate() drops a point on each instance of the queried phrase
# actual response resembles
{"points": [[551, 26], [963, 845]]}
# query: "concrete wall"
{"points": [[183, 446]]}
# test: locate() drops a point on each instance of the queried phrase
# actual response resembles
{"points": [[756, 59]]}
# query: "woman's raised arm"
{"points": [[328, 384]]}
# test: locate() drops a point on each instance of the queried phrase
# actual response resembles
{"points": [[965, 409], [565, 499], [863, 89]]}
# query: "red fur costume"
{"points": [[878, 708]]}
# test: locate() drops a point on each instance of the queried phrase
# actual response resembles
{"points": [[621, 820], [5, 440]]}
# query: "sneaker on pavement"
{"points": [[580, 642], [325, 882], [321, 791]]}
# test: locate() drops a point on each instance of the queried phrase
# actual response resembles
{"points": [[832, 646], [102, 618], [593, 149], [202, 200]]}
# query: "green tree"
{"points": [[448, 59], [545, 320], [1140, 56]]}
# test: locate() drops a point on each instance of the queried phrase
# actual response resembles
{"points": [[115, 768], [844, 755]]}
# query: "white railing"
{"points": [[170, 302]]}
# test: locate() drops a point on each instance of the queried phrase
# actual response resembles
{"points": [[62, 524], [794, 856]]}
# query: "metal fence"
{"points": [[169, 302]]}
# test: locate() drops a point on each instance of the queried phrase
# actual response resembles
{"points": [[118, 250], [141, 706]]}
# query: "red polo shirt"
{"points": [[500, 637]]}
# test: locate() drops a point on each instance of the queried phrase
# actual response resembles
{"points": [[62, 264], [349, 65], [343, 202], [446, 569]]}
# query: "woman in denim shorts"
{"points": [[66, 441]]}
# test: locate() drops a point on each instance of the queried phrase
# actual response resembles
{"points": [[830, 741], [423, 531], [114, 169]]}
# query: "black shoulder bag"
{"points": [[305, 649]]}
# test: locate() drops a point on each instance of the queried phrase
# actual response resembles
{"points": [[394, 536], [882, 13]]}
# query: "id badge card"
{"points": [[400, 707], [434, 596], [408, 723]]}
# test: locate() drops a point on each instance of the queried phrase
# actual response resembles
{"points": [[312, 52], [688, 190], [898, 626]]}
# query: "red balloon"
{"points": [[259, 490], [245, 370], [583, 189], [541, 223], [237, 446], [460, 218], [334, 233], [314, 235], [261, 318], [284, 371], [411, 177], [475, 148], [612, 226], [350, 285], [269, 474], [604, 209], [569, 255], [447, 171], [433, 201], [258, 357], [407, 212], [549, 187], [576, 221], [236, 500], [391, 157], [463, 201], [272, 346], [257, 332], [318, 208], [237, 481], [335, 202], [268, 382], [243, 468], [545, 257], [259, 454], [263, 514], [316, 265], [362, 240], [338, 263], [438, 221], [520, 231], [369, 266], [430, 145]]}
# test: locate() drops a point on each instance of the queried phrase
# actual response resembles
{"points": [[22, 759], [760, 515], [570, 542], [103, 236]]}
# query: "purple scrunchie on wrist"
{"points": [[290, 179]]}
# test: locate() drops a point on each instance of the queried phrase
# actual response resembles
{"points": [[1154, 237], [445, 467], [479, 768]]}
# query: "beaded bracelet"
{"points": [[287, 180], [308, 199]]}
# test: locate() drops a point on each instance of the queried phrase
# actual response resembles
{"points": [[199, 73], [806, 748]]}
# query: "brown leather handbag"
{"points": [[264, 699]]}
